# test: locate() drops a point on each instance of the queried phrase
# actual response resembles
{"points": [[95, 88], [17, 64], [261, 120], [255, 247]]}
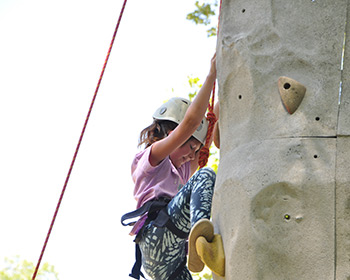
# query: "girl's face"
{"points": [[185, 153]]}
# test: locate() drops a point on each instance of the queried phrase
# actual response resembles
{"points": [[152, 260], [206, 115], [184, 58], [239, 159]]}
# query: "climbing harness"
{"points": [[79, 142], [156, 211], [136, 270], [151, 209]]}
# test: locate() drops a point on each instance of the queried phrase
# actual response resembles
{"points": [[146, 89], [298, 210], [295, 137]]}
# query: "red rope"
{"points": [[79, 142], [204, 152]]}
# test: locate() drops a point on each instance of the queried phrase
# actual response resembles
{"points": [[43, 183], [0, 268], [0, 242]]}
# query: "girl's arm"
{"points": [[194, 115]]}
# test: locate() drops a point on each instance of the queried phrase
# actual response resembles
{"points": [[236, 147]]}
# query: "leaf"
{"points": [[203, 14], [17, 269]]}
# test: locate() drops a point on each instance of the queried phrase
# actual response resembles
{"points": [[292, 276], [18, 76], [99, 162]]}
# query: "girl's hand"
{"points": [[212, 71]]}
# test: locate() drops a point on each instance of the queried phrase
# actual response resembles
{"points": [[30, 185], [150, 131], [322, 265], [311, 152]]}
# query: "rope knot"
{"points": [[204, 152], [211, 117], [203, 157]]}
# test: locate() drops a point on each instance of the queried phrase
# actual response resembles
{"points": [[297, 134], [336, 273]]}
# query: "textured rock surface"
{"points": [[282, 198]]}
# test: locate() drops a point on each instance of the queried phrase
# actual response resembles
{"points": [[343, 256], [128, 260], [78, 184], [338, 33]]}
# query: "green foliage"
{"points": [[204, 275], [195, 86], [203, 14], [211, 32], [17, 269]]}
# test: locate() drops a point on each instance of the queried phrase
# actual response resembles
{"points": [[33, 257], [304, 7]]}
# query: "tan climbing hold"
{"points": [[205, 248], [212, 254], [202, 228], [292, 93]]}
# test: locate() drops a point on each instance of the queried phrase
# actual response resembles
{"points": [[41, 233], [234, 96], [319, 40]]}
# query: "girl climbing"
{"points": [[169, 199]]}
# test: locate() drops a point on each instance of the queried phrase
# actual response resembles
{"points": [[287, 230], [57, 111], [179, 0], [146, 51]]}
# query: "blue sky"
{"points": [[51, 55]]}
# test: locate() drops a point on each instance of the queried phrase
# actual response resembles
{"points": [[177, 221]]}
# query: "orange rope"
{"points": [[78, 146]]}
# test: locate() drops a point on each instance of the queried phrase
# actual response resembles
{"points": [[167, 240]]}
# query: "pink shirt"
{"points": [[153, 182], [157, 181]]}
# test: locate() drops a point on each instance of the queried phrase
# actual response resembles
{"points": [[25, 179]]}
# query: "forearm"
{"points": [[200, 103], [196, 111], [198, 108]]}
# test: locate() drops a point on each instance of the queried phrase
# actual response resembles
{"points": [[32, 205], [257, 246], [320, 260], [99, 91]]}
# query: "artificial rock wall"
{"points": [[282, 198]]}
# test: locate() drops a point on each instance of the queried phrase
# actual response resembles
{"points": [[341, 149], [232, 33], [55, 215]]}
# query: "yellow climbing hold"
{"points": [[205, 247], [212, 254]]}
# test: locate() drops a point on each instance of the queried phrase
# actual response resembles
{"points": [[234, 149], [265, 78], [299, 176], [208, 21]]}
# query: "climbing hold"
{"points": [[205, 247], [291, 92], [202, 228], [298, 219], [287, 217], [212, 254]]}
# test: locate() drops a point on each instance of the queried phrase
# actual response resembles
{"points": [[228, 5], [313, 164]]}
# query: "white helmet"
{"points": [[174, 110]]}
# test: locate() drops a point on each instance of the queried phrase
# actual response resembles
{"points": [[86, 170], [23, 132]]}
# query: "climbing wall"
{"points": [[282, 198]]}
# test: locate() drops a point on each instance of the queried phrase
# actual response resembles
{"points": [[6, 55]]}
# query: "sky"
{"points": [[51, 56]]}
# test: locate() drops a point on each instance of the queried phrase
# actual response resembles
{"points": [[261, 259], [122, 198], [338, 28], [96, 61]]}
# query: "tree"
{"points": [[203, 15], [17, 269]]}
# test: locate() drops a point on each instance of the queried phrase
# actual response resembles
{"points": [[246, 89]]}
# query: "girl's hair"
{"points": [[158, 130]]}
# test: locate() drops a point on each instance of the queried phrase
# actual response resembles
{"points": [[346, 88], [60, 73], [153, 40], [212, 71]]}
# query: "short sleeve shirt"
{"points": [[152, 182]]}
